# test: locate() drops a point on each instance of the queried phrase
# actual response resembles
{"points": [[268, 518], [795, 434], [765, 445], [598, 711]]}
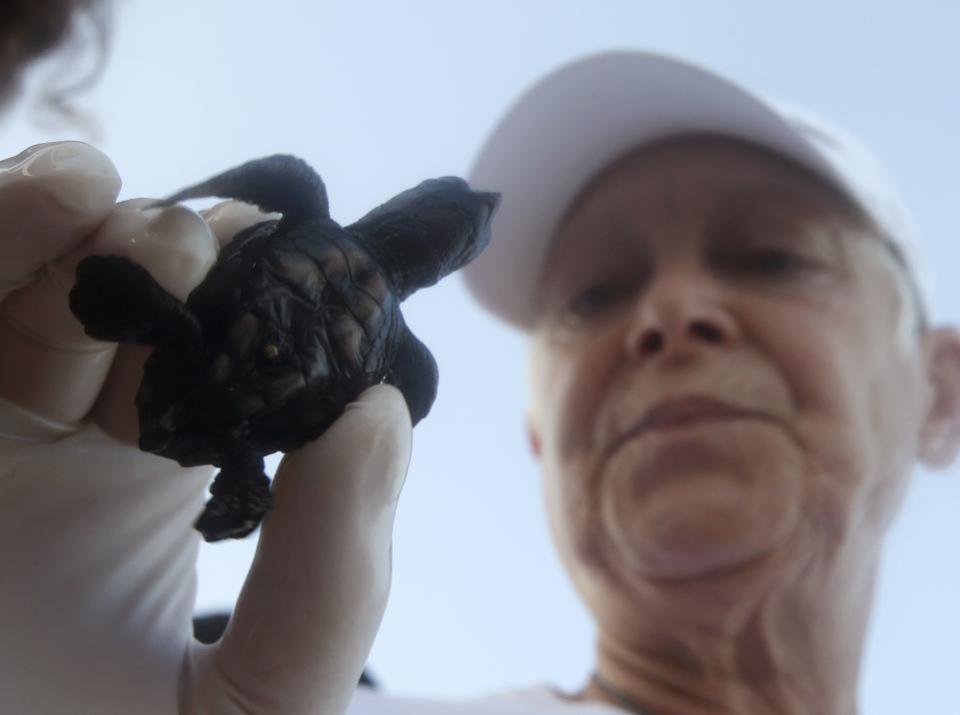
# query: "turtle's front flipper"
{"points": [[415, 373], [428, 231], [280, 183], [240, 497], [119, 301]]}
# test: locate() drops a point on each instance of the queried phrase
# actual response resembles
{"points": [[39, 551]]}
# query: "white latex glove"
{"points": [[97, 549]]}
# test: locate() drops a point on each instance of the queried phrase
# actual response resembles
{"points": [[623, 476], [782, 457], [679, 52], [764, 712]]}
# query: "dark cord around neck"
{"points": [[621, 699]]}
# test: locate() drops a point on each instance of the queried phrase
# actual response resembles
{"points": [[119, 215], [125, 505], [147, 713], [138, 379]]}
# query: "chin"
{"points": [[689, 506]]}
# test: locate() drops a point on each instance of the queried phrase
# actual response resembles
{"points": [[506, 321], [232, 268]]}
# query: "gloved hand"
{"points": [[97, 549]]}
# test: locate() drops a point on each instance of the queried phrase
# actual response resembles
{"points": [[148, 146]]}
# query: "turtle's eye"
{"points": [[275, 350]]}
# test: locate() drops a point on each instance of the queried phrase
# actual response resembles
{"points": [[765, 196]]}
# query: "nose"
{"points": [[683, 309]]}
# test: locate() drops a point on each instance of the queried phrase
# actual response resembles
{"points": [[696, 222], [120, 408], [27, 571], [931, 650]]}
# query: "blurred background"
{"points": [[379, 95]]}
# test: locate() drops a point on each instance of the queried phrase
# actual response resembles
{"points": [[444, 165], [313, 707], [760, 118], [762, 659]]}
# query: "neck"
{"points": [[410, 264], [764, 638]]}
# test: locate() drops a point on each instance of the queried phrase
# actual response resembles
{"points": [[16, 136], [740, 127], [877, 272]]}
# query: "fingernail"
{"points": [[228, 218], [77, 176]]}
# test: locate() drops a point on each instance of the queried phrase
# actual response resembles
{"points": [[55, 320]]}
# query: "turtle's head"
{"points": [[480, 205], [428, 231]]}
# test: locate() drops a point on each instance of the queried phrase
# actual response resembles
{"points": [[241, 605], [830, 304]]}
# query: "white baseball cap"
{"points": [[580, 118]]}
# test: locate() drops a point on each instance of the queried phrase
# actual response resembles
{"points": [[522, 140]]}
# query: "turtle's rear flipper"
{"points": [[119, 301], [280, 183], [415, 374], [240, 497]]}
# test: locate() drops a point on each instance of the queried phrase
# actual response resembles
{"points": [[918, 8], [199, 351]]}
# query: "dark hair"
{"points": [[32, 28]]}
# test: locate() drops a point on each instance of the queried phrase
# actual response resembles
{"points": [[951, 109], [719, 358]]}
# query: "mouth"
{"points": [[681, 412]]}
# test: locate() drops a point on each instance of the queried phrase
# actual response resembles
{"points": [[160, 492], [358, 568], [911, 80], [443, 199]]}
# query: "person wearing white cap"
{"points": [[732, 373]]}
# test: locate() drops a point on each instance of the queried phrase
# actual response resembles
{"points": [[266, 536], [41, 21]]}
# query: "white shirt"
{"points": [[540, 700]]}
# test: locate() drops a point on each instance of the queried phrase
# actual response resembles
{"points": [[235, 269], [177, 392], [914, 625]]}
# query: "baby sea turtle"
{"points": [[297, 317]]}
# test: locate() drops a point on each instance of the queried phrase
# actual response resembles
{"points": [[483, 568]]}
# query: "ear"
{"points": [[533, 436], [940, 436]]}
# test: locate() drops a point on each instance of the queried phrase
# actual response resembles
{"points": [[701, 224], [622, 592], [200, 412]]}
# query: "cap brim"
{"points": [[573, 123]]}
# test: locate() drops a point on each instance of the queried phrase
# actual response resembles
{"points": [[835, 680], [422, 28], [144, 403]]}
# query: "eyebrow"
{"points": [[830, 208], [747, 199], [563, 263]]}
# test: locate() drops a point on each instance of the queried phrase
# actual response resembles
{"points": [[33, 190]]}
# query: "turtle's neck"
{"points": [[408, 265], [418, 245]]}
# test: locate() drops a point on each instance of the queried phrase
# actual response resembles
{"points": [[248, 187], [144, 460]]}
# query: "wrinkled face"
{"points": [[726, 363]]}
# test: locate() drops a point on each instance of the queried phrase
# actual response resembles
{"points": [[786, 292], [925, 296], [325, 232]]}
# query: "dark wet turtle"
{"points": [[297, 317]]}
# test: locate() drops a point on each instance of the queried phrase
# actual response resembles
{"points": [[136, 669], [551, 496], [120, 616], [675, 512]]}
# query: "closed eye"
{"points": [[594, 301], [772, 262]]}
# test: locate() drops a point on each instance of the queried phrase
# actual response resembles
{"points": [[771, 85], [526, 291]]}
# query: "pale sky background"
{"points": [[379, 95]]}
